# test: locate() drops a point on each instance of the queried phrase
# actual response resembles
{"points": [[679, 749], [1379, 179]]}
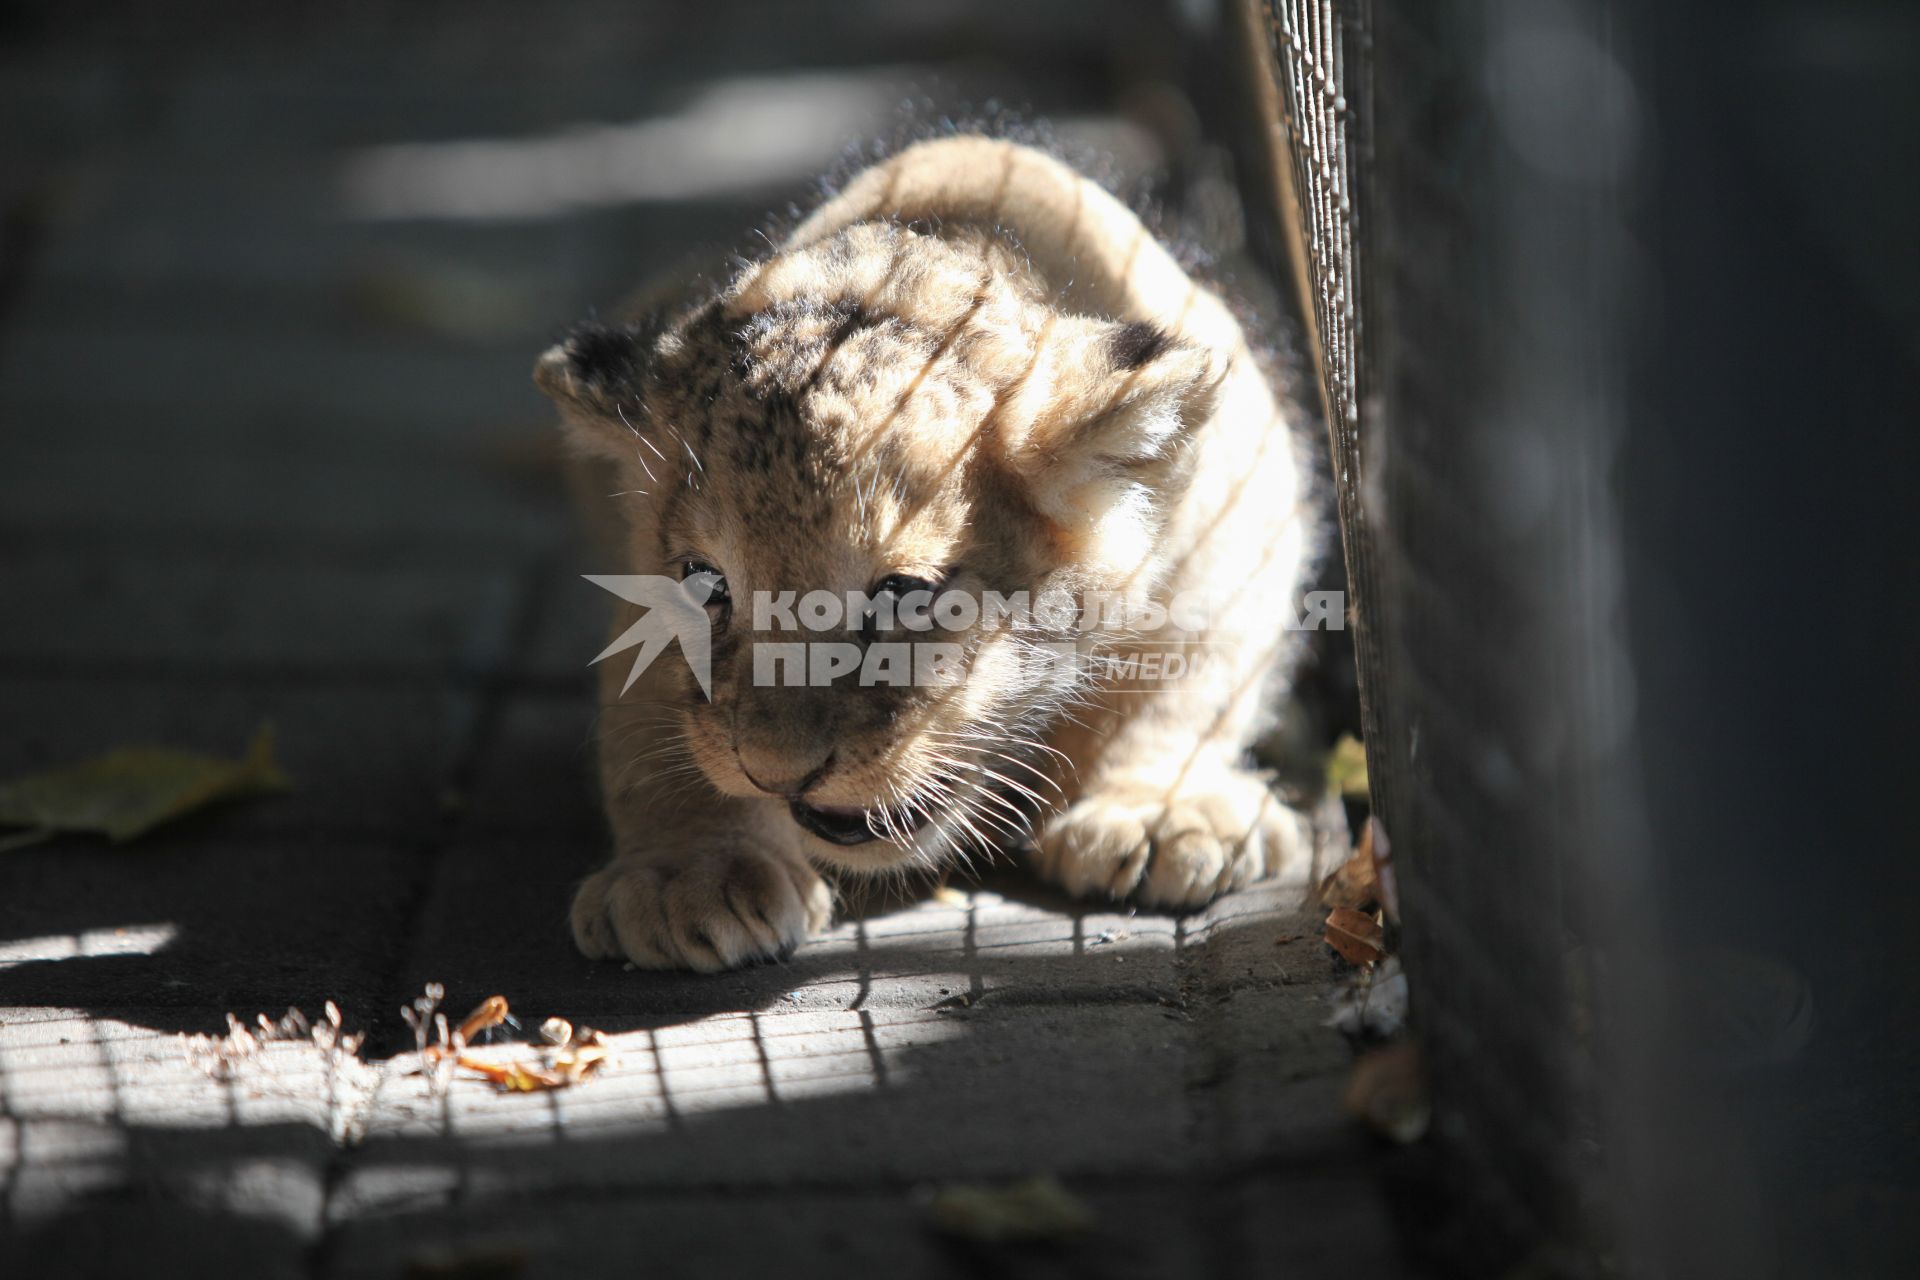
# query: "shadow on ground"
{"points": [[1201, 1128]]}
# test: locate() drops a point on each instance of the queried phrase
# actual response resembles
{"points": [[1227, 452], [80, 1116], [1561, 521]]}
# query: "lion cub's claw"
{"points": [[1132, 838], [708, 911]]}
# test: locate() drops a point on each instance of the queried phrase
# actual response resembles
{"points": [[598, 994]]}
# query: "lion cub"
{"points": [[998, 531]]}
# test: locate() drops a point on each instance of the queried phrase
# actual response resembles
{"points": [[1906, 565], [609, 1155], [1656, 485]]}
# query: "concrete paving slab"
{"points": [[1265, 935], [821, 1099], [53, 379], [226, 609], [72, 1071], [575, 623], [109, 1122], [93, 494], [263, 246], [1319, 1219], [496, 921], [205, 926], [155, 1236], [537, 776], [365, 758], [1138, 1232], [1261, 982]]}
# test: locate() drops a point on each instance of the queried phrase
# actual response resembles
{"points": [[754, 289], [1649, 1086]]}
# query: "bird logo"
{"points": [[675, 610]]}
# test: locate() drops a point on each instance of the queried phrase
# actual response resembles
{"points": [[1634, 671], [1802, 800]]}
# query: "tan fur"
{"points": [[923, 378]]}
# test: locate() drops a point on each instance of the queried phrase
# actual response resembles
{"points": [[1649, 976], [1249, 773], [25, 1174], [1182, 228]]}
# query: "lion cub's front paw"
{"points": [[1222, 829], [718, 906]]}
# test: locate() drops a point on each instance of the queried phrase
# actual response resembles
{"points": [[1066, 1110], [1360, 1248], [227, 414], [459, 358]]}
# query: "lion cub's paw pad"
{"points": [[1180, 851], [709, 912]]}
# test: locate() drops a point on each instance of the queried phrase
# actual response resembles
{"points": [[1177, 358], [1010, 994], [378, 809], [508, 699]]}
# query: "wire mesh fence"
{"points": [[1470, 394]]}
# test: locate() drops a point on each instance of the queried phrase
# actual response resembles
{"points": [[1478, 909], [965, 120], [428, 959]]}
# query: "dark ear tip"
{"points": [[592, 358], [1135, 343], [601, 354]]}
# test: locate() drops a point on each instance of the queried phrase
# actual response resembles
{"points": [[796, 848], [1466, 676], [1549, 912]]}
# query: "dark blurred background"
{"points": [[1639, 361]]}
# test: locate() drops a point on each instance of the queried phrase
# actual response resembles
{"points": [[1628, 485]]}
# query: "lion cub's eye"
{"points": [[900, 585], [709, 587], [906, 596]]}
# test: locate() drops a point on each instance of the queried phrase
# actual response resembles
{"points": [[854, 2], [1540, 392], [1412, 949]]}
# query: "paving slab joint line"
{"points": [[492, 691], [1193, 965], [535, 592]]}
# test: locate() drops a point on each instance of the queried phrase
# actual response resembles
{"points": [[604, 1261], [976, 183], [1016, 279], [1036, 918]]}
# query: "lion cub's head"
{"points": [[885, 463]]}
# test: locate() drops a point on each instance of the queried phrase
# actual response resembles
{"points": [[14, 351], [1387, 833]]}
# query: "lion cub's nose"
{"points": [[781, 773]]}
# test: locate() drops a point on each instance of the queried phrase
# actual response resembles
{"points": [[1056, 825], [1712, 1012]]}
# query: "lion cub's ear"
{"points": [[595, 375], [1124, 399]]}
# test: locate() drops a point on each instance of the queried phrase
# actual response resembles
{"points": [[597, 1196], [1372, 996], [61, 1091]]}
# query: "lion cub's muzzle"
{"points": [[843, 824]]}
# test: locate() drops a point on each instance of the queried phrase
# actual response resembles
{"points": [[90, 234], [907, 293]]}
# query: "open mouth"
{"points": [[843, 824]]}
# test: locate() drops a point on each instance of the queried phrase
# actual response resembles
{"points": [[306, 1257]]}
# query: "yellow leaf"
{"points": [[1036, 1209], [127, 793], [1347, 768]]}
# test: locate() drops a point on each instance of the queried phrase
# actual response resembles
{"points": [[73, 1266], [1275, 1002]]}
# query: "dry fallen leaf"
{"points": [[1038, 1208], [1356, 935], [491, 1013], [128, 792], [514, 1077], [1388, 1091], [568, 1057], [1355, 882]]}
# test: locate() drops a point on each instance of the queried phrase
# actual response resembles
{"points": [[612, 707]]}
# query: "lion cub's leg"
{"points": [[1166, 811], [698, 880]]}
